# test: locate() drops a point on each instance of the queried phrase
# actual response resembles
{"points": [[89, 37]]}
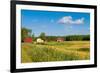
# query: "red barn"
{"points": [[28, 40], [60, 39]]}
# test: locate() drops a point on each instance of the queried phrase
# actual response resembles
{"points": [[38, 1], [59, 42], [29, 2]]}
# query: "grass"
{"points": [[55, 51]]}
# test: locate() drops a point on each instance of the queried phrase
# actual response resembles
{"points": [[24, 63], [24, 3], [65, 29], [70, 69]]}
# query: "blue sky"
{"points": [[56, 23]]}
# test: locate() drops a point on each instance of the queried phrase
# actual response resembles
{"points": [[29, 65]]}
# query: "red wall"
{"points": [[28, 40]]}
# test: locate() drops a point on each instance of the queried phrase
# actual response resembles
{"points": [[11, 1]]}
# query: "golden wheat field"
{"points": [[55, 51]]}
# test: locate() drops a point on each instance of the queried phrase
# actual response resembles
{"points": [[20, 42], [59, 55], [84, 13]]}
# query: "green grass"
{"points": [[55, 51]]}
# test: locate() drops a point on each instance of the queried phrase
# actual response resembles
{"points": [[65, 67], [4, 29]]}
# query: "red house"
{"points": [[60, 39], [28, 40]]}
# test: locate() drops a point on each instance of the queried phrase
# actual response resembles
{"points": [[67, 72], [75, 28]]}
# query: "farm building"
{"points": [[60, 39], [39, 40], [28, 40]]}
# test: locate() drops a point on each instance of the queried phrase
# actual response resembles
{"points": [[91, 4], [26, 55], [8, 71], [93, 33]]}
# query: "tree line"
{"points": [[28, 33]]}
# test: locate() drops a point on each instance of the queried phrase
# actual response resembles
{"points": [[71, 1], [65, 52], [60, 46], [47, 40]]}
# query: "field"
{"points": [[55, 51]]}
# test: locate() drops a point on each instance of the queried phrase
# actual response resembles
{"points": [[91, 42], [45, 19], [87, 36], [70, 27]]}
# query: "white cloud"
{"points": [[69, 20]]}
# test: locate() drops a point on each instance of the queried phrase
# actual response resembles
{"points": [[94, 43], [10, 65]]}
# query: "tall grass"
{"points": [[55, 51]]}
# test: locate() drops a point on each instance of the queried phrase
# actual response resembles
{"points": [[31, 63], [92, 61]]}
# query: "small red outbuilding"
{"points": [[28, 40], [60, 39]]}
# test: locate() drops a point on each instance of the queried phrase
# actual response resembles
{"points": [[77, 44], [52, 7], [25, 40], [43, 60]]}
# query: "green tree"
{"points": [[33, 36], [25, 33], [42, 36], [29, 32]]}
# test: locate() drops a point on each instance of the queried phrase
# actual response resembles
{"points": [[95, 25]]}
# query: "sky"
{"points": [[54, 23]]}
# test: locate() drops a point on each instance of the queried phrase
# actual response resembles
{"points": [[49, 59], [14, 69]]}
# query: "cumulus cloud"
{"points": [[69, 20]]}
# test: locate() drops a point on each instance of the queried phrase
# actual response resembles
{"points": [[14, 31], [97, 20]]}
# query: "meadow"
{"points": [[55, 51]]}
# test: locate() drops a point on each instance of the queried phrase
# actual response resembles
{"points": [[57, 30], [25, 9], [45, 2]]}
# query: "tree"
{"points": [[33, 36], [25, 33], [42, 36], [29, 32], [78, 38]]}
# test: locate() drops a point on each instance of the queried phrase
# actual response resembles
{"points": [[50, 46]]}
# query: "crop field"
{"points": [[55, 51]]}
